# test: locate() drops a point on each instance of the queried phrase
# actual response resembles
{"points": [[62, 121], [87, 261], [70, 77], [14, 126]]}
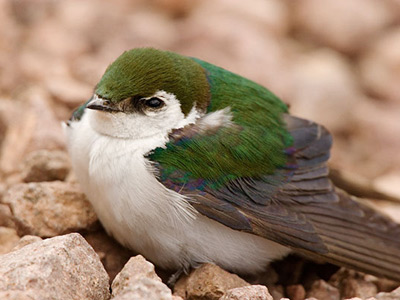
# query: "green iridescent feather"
{"points": [[252, 149], [144, 71]]}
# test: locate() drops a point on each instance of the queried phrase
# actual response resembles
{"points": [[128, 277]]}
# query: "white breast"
{"points": [[150, 219]]}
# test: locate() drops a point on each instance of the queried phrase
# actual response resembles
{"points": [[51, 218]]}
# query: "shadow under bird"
{"points": [[187, 163]]}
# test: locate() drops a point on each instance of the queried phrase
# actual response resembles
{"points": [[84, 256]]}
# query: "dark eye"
{"points": [[154, 102]]}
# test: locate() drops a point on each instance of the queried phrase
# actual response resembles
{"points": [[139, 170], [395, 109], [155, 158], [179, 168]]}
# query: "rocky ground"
{"points": [[334, 61]]}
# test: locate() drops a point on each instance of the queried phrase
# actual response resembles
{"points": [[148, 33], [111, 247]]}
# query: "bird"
{"points": [[188, 163]]}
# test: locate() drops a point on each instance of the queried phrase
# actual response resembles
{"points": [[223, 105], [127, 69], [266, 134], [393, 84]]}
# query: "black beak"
{"points": [[97, 103]]}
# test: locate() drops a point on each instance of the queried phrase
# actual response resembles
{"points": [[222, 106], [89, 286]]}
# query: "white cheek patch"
{"points": [[157, 124]]}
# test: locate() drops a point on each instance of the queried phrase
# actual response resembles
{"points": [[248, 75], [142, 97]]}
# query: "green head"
{"points": [[140, 73]]}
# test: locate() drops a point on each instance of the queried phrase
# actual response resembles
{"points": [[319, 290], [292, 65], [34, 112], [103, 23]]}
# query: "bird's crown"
{"points": [[141, 72]]}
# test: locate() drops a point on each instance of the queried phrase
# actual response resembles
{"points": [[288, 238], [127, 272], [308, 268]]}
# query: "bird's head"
{"points": [[146, 92]]}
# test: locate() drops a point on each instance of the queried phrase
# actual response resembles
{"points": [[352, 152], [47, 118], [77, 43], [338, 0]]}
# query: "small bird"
{"points": [[188, 163]]}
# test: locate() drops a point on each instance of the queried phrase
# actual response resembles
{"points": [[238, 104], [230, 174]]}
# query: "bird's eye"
{"points": [[154, 102]]}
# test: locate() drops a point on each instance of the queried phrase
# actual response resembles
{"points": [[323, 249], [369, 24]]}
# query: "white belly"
{"points": [[145, 216]]}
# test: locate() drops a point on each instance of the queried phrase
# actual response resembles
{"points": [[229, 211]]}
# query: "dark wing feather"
{"points": [[298, 207]]}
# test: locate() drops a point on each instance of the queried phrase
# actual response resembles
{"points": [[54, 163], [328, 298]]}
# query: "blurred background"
{"points": [[334, 61]]}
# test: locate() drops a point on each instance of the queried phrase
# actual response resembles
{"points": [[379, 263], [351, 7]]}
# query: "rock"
{"points": [[320, 289], [352, 287], [394, 295], [112, 254], [385, 285], [252, 292], [136, 268], [3, 129], [8, 239], [380, 66], [49, 208], [376, 123], [296, 292], [325, 89], [254, 14], [31, 127], [68, 91], [138, 280], [6, 217], [45, 165], [341, 24], [388, 184], [276, 291], [207, 282], [146, 288], [64, 267], [26, 240]]}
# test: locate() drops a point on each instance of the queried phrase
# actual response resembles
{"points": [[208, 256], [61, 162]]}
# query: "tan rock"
{"points": [[352, 287], [64, 267], [3, 129], [68, 91], [253, 14], [342, 24], [325, 89], [136, 268], [296, 292], [252, 292], [31, 126], [389, 184], [276, 291], [49, 208], [112, 254], [320, 289], [207, 282], [144, 289], [394, 295], [8, 239], [6, 217], [45, 165], [385, 285], [380, 66], [138, 280], [26, 240]]}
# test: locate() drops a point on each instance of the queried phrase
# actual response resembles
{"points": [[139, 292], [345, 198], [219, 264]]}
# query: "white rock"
{"points": [[64, 267]]}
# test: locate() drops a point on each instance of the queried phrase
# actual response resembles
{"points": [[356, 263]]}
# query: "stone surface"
{"points": [[380, 66], [352, 287], [70, 92], [138, 280], [6, 218], [32, 126], [136, 268], [341, 24], [276, 291], [296, 292], [45, 165], [394, 295], [207, 282], [322, 82], [112, 254], [26, 240], [252, 292], [8, 239], [49, 208], [320, 289], [146, 288], [64, 267], [354, 284]]}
